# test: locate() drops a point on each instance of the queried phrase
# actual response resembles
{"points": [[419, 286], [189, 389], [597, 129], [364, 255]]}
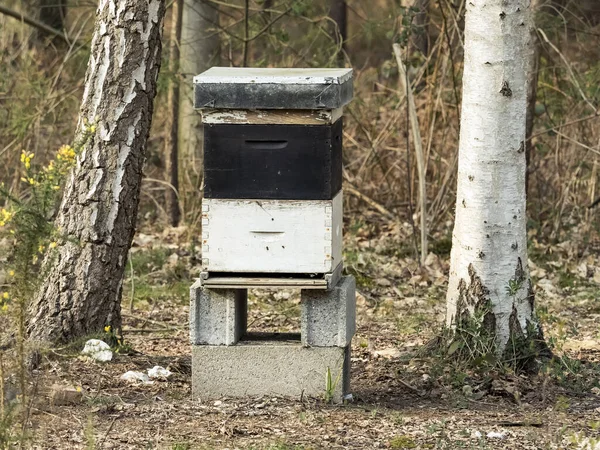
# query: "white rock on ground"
{"points": [[97, 350], [159, 372], [136, 377]]}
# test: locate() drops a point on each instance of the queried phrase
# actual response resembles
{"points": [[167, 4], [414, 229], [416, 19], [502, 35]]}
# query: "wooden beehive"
{"points": [[272, 204]]}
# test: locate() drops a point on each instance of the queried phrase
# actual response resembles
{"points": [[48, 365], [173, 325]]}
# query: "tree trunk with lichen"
{"points": [[81, 291], [489, 277]]}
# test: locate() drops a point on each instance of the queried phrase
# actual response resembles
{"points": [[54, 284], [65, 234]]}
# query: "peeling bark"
{"points": [[489, 244], [81, 292]]}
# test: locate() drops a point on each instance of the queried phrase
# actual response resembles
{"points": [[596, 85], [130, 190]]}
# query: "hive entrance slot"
{"points": [[266, 144]]}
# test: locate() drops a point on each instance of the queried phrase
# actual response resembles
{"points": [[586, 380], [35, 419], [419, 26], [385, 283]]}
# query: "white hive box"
{"points": [[272, 236]]}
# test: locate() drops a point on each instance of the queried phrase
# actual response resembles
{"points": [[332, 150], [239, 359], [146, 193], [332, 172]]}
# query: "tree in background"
{"points": [[419, 38], [171, 150], [199, 50], [53, 13], [81, 290], [338, 13], [490, 287]]}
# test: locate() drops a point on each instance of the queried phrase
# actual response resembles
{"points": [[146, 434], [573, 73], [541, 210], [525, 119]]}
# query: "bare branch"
{"points": [[33, 23]]}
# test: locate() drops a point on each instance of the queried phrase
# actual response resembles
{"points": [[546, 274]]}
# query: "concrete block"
{"points": [[217, 316], [256, 368], [328, 318]]}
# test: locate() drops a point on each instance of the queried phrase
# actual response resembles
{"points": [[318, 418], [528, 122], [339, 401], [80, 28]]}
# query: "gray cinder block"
{"points": [[255, 368], [328, 318], [217, 316]]}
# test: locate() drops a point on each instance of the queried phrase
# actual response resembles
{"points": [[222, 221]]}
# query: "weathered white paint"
{"points": [[243, 75], [272, 236], [490, 229], [271, 116]]}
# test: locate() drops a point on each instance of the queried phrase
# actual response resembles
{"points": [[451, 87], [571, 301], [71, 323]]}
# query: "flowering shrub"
{"points": [[26, 221]]}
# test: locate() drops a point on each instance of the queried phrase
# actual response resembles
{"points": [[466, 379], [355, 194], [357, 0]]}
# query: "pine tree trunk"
{"points": [[200, 50], [81, 292], [488, 271]]}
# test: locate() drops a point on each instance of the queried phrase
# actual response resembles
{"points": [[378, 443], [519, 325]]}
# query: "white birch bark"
{"points": [[489, 242], [81, 292]]}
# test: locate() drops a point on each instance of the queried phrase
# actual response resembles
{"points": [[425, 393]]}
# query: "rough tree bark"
{"points": [[171, 151], [488, 269], [81, 292], [338, 13], [200, 50]]}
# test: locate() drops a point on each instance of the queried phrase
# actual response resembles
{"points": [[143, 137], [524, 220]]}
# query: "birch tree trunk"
{"points": [[200, 50], [489, 277], [82, 289]]}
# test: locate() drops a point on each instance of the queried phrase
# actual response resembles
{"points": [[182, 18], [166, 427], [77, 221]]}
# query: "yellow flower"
{"points": [[41, 249], [5, 296], [5, 307], [5, 217], [66, 153], [26, 159], [107, 329], [52, 245], [11, 273], [31, 181]]}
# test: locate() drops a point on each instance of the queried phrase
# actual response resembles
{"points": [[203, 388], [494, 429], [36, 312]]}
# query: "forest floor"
{"points": [[401, 398]]}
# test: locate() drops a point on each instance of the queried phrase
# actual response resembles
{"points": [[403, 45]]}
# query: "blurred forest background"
{"points": [[41, 84], [403, 399]]}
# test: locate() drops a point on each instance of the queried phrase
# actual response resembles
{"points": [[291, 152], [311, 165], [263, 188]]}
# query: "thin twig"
{"points": [[416, 134], [108, 431], [369, 201], [566, 124], [246, 35], [132, 284], [573, 78]]}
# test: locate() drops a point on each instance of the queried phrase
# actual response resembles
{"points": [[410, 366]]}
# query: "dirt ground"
{"points": [[401, 398]]}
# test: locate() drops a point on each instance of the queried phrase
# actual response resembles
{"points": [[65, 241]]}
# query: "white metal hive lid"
{"points": [[272, 88], [228, 75]]}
